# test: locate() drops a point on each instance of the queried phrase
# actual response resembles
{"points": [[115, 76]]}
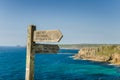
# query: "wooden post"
{"points": [[30, 53]]}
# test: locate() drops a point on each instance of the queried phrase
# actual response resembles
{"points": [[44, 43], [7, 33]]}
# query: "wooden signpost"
{"points": [[32, 47]]}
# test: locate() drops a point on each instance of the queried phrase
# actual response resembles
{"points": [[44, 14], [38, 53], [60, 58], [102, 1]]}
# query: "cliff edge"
{"points": [[109, 53]]}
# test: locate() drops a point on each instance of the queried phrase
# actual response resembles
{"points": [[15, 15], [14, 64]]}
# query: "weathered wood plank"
{"points": [[47, 36], [30, 54], [46, 48]]}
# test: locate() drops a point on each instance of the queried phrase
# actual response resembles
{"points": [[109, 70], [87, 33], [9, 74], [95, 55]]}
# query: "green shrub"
{"points": [[108, 50]]}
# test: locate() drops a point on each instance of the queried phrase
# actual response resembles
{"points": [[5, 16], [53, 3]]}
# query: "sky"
{"points": [[80, 21]]}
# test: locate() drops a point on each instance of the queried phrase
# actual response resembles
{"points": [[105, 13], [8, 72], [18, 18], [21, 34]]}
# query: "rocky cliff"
{"points": [[109, 53]]}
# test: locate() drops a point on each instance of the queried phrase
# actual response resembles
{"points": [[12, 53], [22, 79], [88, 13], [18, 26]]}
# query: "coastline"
{"points": [[108, 63], [100, 62], [107, 54]]}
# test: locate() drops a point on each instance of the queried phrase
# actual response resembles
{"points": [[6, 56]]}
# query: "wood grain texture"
{"points": [[30, 53], [46, 48], [47, 36]]}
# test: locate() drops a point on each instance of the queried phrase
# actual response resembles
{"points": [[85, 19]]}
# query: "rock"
{"points": [[109, 54]]}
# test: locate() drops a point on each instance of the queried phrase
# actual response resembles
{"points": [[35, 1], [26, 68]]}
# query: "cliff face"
{"points": [[109, 54]]}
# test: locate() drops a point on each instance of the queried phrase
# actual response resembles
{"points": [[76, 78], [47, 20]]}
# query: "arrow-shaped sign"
{"points": [[46, 48], [47, 36]]}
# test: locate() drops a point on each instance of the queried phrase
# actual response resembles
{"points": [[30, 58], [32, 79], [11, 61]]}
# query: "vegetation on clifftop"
{"points": [[108, 50]]}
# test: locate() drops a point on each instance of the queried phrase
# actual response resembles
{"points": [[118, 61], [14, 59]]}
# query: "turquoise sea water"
{"points": [[53, 66]]}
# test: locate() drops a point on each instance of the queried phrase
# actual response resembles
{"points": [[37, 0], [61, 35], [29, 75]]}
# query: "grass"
{"points": [[108, 50]]}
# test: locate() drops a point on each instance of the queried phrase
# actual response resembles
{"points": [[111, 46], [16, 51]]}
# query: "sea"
{"points": [[60, 66]]}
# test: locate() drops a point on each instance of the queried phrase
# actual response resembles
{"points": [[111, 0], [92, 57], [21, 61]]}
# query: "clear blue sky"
{"points": [[81, 21]]}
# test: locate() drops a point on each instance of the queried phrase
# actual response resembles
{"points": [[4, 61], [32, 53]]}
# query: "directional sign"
{"points": [[46, 48], [33, 47], [47, 36]]}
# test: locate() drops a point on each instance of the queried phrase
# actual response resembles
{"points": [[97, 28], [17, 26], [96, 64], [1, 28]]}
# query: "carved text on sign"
{"points": [[46, 48], [47, 36]]}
